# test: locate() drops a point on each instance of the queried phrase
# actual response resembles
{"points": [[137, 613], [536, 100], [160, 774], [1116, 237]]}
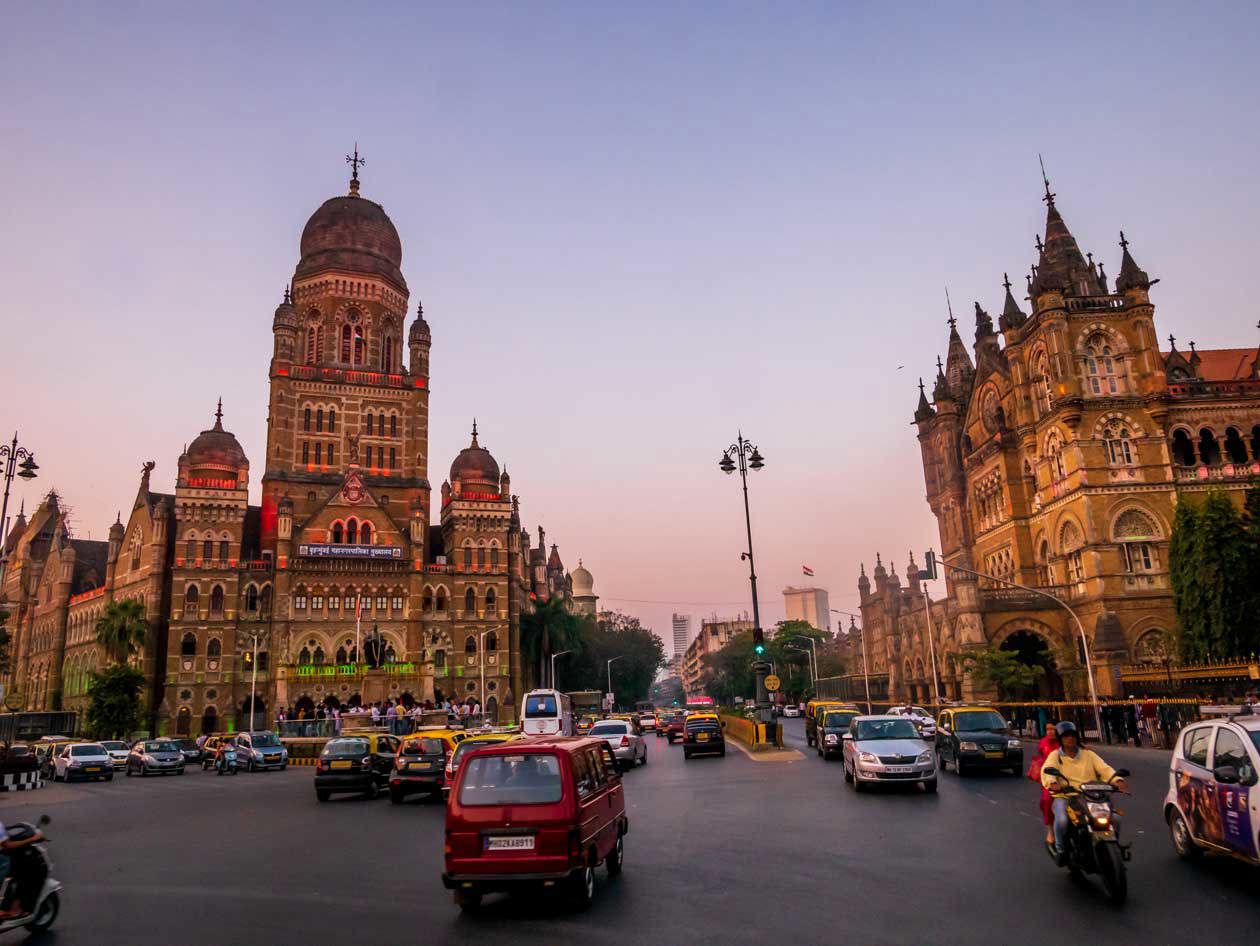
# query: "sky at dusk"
{"points": [[636, 230]]}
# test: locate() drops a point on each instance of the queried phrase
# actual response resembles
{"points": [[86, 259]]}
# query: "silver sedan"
{"points": [[887, 749], [628, 746]]}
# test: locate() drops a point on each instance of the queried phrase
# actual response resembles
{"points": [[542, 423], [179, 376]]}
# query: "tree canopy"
{"points": [[640, 655], [1003, 670], [121, 629], [113, 709]]}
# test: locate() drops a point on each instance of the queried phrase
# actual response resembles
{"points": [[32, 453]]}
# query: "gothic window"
{"points": [[306, 451], [470, 600], [1054, 456], [319, 420], [387, 355], [190, 552], [470, 644], [1182, 448], [188, 645], [1119, 449], [468, 556], [352, 532], [318, 656], [393, 425], [489, 599], [332, 420], [207, 550], [304, 656], [1235, 449], [216, 601], [223, 551], [319, 454], [492, 641], [191, 596], [365, 534], [337, 534], [310, 345], [135, 551], [370, 422], [332, 454], [264, 600], [1209, 448], [1043, 563], [426, 603], [360, 346], [345, 344], [1137, 532], [439, 660], [393, 458], [481, 556], [251, 599], [494, 556], [1041, 384], [306, 419], [1103, 367], [441, 599]]}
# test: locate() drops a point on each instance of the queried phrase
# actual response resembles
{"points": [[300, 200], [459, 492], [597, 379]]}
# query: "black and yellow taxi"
{"points": [[419, 768], [831, 725], [702, 734], [813, 709], [976, 737], [359, 763]]}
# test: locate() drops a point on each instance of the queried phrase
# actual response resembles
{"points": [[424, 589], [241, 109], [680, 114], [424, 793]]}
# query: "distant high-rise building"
{"points": [[808, 604], [682, 633]]}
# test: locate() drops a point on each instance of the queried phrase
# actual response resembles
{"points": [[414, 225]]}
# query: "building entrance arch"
{"points": [[1033, 650]]}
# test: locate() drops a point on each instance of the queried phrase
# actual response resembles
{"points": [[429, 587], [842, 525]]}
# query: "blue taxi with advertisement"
{"points": [[1213, 800]]}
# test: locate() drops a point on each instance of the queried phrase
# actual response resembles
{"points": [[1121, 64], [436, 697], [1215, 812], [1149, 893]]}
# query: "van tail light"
{"points": [[575, 844], [625, 741]]}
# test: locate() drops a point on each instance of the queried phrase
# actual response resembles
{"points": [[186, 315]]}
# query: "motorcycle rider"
{"points": [[1075, 765], [221, 756], [8, 847]]}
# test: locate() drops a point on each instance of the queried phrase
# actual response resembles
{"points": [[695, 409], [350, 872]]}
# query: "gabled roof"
{"points": [[1223, 364], [90, 558]]}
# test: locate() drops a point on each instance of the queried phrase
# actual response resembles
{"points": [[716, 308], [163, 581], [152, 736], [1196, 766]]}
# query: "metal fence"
{"points": [[22, 727]]}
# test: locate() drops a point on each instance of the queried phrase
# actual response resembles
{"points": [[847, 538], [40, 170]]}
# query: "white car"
{"points": [[1212, 803], [921, 718], [791, 711], [118, 751], [86, 760], [628, 747]]}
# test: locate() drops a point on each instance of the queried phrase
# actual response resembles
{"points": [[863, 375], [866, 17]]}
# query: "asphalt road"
{"points": [[721, 851]]}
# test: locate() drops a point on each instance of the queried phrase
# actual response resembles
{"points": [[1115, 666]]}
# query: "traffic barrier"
{"points": [[20, 781], [302, 761]]}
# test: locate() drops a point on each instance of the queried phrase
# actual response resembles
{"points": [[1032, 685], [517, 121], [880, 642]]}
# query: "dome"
{"points": [[475, 465], [216, 448], [583, 581], [351, 233]]}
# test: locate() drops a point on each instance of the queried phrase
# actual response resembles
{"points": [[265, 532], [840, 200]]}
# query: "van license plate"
{"points": [[517, 843]]}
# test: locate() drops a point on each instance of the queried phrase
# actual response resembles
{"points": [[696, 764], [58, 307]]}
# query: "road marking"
{"points": [[774, 755]]}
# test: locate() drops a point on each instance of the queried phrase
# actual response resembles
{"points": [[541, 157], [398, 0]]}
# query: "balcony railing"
{"points": [[1218, 473], [1247, 387], [349, 376], [1004, 599]]}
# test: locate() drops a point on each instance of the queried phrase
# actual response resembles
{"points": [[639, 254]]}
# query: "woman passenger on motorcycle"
{"points": [[1076, 765], [1049, 742]]}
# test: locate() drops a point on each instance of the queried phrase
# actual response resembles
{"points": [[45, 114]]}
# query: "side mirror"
{"points": [[1226, 774], [1051, 770]]}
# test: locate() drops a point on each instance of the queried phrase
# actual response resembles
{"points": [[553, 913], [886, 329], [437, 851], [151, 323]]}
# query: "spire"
{"points": [[474, 440], [1131, 275], [953, 322], [1012, 315], [218, 416], [1060, 264], [288, 296], [958, 367], [355, 163], [924, 410], [940, 390]]}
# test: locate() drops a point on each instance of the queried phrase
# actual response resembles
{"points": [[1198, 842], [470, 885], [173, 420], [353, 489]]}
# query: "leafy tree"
{"points": [[641, 654], [1003, 670], [548, 629], [113, 709], [121, 629]]}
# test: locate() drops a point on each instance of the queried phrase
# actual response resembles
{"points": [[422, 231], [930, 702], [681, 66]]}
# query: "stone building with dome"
{"points": [[344, 582], [1055, 459]]}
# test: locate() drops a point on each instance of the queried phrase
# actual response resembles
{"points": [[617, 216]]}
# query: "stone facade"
{"points": [[1055, 460]]}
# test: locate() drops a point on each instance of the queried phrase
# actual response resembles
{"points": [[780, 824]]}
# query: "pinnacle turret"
{"points": [[1131, 275]]}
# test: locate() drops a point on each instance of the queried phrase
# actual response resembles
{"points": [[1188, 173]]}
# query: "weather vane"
{"points": [[355, 163], [1049, 198]]}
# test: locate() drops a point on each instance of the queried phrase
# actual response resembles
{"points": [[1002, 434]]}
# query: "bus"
{"points": [[546, 713], [695, 703]]}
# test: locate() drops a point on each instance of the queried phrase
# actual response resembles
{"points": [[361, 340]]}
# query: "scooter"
{"points": [[31, 870], [225, 762], [1093, 842]]}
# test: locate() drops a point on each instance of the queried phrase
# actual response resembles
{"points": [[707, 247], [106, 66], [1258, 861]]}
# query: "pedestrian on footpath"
{"points": [[1048, 744]]}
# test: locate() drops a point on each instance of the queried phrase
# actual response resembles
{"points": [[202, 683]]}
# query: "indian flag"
{"points": [[806, 570]]}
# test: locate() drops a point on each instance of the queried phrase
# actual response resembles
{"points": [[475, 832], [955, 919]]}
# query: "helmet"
{"points": [[1066, 728]]}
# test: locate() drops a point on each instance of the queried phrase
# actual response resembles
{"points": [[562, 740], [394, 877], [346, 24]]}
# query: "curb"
{"points": [[303, 761], [768, 755], [20, 782]]}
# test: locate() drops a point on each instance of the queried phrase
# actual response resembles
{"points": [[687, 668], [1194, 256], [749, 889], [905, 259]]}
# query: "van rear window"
{"points": [[540, 707], [527, 778]]}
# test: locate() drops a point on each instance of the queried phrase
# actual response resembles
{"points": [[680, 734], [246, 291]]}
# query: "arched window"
{"points": [[188, 645], [439, 660], [319, 420], [214, 649], [441, 599], [207, 550], [360, 346], [251, 599], [318, 656], [216, 601], [310, 345], [1043, 564], [371, 421], [1071, 542], [304, 656], [492, 641], [135, 551], [352, 532], [341, 655], [332, 425], [481, 556], [223, 550], [427, 601], [345, 344], [264, 600], [490, 599], [1119, 450], [387, 354], [494, 556], [1235, 449], [190, 551], [470, 644], [1209, 449], [306, 419], [337, 534], [1103, 367], [1041, 384], [393, 425], [1054, 455], [468, 556], [470, 600], [191, 597], [1137, 533], [1182, 448], [209, 720], [365, 534]]}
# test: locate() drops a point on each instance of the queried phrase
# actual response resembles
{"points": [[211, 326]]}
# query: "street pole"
{"points": [[936, 683], [481, 694], [253, 684], [11, 453], [1089, 664], [553, 666], [609, 668], [747, 456]]}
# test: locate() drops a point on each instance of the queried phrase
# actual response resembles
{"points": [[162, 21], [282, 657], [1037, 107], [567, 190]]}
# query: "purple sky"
{"points": [[635, 231]]}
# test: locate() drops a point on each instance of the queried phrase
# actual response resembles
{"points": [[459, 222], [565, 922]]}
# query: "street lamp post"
{"points": [[610, 689], [744, 456], [866, 673], [812, 654], [253, 682], [481, 649], [927, 607], [553, 666], [11, 453]]}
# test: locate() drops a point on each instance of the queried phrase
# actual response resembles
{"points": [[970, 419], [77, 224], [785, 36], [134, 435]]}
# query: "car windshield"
{"points": [[1255, 738], [919, 711], [838, 720], [265, 740], [869, 729], [472, 746], [423, 747], [347, 748], [160, 745], [610, 729], [540, 707], [979, 721], [113, 745], [528, 778], [87, 750]]}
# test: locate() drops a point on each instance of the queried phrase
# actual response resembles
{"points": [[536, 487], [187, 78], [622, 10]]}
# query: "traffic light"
{"points": [[928, 572], [759, 642]]}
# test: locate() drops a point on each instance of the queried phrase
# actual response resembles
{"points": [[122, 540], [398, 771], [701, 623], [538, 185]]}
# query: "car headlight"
{"points": [[968, 746], [924, 758], [830, 739], [1013, 743], [284, 753], [868, 758]]}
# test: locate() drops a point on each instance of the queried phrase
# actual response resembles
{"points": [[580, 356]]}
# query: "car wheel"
{"points": [[395, 796], [848, 777], [582, 887], [468, 900], [929, 786], [858, 785], [686, 753], [615, 858], [722, 753], [1183, 841], [323, 794]]}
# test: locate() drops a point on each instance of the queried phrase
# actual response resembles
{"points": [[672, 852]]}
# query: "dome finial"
{"points": [[949, 306], [354, 163], [1049, 198], [218, 416], [474, 442]]}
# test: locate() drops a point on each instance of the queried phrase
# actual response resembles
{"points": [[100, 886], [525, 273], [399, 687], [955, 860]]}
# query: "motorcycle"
{"points": [[1093, 841], [226, 762], [30, 872]]}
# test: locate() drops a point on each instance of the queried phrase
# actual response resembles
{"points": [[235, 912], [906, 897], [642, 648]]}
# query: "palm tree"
{"points": [[121, 629], [549, 628]]}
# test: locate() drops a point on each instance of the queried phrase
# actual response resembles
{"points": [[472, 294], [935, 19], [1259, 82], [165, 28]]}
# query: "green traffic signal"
{"points": [[759, 649]]}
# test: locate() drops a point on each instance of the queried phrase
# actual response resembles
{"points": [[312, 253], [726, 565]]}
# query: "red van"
{"points": [[542, 812]]}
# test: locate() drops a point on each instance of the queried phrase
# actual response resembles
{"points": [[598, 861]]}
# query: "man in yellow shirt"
{"points": [[1076, 765]]}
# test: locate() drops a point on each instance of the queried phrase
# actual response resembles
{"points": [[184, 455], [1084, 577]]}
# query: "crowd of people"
{"points": [[396, 715], [1145, 721]]}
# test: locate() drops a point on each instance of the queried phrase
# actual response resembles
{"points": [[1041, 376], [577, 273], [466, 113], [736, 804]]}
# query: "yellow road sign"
{"points": [[772, 683]]}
